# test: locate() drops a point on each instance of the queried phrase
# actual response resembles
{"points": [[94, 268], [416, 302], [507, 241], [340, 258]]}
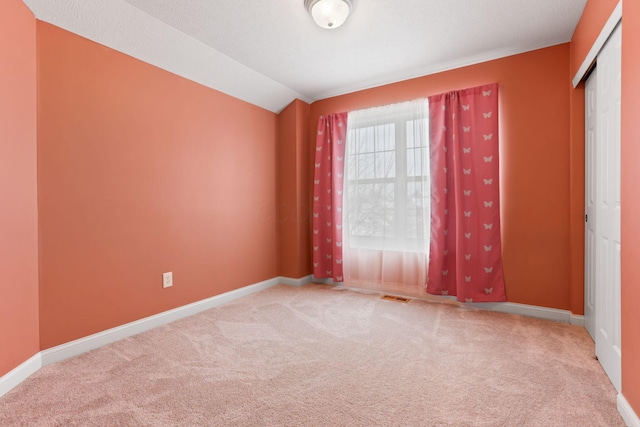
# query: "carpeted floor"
{"points": [[322, 356]]}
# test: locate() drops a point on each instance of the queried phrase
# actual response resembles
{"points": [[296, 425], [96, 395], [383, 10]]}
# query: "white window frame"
{"points": [[400, 181]]}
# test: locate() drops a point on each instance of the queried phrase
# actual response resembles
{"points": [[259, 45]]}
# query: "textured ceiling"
{"points": [[269, 52]]}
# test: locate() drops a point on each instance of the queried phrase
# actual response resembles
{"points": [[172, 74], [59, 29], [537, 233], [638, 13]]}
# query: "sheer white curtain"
{"points": [[386, 212]]}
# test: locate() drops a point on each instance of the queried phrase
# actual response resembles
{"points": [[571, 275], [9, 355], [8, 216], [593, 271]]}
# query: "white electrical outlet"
{"points": [[167, 280]]}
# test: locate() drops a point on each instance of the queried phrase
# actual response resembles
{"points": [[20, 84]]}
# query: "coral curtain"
{"points": [[466, 253], [327, 196]]}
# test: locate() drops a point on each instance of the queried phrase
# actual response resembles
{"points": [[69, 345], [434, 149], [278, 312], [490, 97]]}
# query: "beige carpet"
{"points": [[320, 356]]}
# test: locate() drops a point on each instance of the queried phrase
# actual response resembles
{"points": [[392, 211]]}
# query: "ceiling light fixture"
{"points": [[329, 13]]}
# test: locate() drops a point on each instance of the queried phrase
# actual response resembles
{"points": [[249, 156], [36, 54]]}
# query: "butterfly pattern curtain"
{"points": [[327, 196], [466, 253]]}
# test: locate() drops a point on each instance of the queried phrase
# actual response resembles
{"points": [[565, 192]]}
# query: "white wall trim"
{"points": [[91, 342], [564, 316], [626, 411], [525, 310], [326, 281], [20, 373], [82, 345], [295, 282], [611, 24], [576, 319]]}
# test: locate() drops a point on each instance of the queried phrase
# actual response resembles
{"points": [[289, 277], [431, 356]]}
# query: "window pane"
{"points": [[385, 137], [416, 162], [417, 133], [383, 210], [352, 167], [371, 209], [417, 143], [365, 141], [411, 166], [415, 210], [351, 136], [410, 137], [390, 161], [366, 166], [385, 165]]}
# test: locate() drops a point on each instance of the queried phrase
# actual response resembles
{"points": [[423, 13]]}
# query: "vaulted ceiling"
{"points": [[269, 52]]}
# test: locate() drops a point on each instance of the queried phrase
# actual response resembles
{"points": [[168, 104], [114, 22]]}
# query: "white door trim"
{"points": [[607, 30], [590, 145], [607, 268]]}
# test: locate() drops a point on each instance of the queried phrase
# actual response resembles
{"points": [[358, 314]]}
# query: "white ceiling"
{"points": [[269, 52]]}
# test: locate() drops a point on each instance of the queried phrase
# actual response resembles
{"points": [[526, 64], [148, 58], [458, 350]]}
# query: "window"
{"points": [[387, 171]]}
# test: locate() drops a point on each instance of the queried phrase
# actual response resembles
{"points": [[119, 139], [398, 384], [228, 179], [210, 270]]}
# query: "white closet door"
{"points": [[607, 209], [590, 202]]}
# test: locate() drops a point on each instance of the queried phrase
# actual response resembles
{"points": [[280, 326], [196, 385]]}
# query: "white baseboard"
{"points": [[82, 345], [525, 310], [295, 282], [20, 373], [91, 342], [327, 281], [576, 319], [554, 314], [626, 411]]}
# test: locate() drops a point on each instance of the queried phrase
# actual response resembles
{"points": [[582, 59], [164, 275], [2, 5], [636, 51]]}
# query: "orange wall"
{"points": [[18, 192], [534, 120], [293, 210], [595, 15], [630, 225], [142, 172]]}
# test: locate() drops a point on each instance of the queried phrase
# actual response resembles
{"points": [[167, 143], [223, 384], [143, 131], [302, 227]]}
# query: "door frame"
{"points": [[590, 103]]}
